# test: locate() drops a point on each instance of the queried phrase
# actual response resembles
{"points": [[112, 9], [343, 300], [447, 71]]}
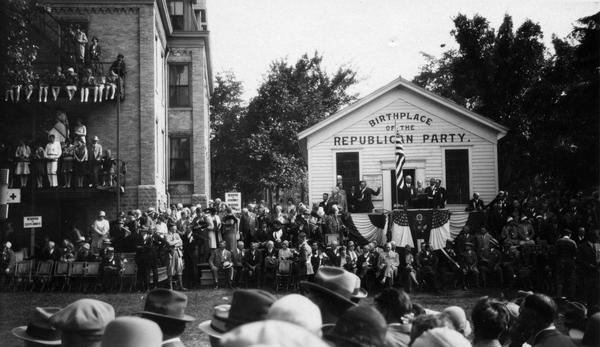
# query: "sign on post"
{"points": [[234, 200], [30, 222], [13, 196]]}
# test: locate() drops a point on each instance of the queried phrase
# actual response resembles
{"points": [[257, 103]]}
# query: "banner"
{"points": [[364, 228], [433, 226]]}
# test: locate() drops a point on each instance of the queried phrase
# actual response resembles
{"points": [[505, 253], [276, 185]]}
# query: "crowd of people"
{"points": [[328, 311], [68, 159]]}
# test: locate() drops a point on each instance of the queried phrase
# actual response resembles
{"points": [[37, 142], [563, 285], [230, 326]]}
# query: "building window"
{"points": [[457, 176], [347, 165], [179, 87], [180, 159], [176, 14]]}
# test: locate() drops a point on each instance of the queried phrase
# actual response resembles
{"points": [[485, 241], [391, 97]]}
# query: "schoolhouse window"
{"points": [[457, 176], [347, 165]]}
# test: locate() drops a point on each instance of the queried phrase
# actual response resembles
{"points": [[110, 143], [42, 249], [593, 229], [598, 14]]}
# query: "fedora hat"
{"points": [[271, 333], [132, 332], [38, 329], [336, 283], [167, 303], [360, 326], [247, 306]]}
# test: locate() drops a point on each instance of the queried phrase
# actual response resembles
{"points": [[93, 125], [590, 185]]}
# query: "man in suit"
{"points": [[430, 192], [589, 268], [407, 193], [364, 202], [252, 263], [221, 261], [536, 321], [475, 204], [439, 199], [167, 309]]}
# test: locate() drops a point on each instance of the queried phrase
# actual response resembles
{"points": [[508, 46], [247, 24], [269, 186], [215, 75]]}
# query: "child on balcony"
{"points": [[22, 155], [68, 150], [100, 81], [80, 154], [87, 82], [43, 86], [72, 80], [109, 168], [111, 84], [31, 85], [57, 80], [38, 165]]}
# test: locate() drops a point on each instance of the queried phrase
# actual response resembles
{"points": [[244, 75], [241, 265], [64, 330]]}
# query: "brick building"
{"points": [[164, 113]]}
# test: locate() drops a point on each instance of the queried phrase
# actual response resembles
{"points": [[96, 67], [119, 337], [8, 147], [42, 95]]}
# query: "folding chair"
{"points": [[129, 272], [61, 272], [43, 274], [91, 274], [284, 274], [75, 273], [23, 274]]}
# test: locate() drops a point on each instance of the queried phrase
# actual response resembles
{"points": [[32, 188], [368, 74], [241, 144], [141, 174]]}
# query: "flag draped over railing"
{"points": [[400, 158]]}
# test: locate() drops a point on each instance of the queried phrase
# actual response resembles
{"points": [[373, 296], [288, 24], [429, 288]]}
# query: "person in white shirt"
{"points": [[101, 229], [53, 152]]}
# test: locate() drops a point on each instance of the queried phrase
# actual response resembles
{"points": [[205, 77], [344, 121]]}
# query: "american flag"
{"points": [[400, 158]]}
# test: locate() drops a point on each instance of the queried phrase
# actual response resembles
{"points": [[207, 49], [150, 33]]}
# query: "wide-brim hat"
{"points": [[336, 283], [247, 306], [227, 264], [167, 303], [39, 329], [358, 325]]}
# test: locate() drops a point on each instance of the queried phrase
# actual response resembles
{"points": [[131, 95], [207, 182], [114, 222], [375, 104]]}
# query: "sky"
{"points": [[380, 39]]}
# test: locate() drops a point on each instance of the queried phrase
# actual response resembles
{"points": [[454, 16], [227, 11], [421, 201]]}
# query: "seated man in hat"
{"points": [[167, 309], [388, 265], [82, 322], [220, 261], [110, 268]]}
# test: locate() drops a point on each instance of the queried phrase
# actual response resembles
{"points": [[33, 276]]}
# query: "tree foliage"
{"points": [[547, 100], [265, 152], [18, 51]]}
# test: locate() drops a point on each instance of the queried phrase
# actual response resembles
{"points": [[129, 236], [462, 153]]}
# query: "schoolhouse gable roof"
{"points": [[500, 130]]}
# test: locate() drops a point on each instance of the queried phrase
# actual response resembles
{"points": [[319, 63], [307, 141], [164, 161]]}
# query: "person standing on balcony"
{"points": [[119, 68], [80, 130], [81, 162], [94, 53], [67, 163], [81, 41], [71, 80], [100, 229], [22, 158], [53, 152], [95, 153]]}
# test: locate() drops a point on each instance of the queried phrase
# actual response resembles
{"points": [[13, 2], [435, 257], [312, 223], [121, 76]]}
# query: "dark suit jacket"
{"points": [[552, 338], [253, 259], [364, 203], [407, 194], [586, 258]]}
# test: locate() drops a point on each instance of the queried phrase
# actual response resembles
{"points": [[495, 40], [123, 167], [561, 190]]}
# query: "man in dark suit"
{"points": [[221, 260], [407, 193], [439, 199], [364, 203], [536, 321], [430, 192], [588, 267], [252, 263], [475, 204]]}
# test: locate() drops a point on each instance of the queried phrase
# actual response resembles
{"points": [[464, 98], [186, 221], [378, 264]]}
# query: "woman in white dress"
{"points": [[22, 155], [175, 267]]}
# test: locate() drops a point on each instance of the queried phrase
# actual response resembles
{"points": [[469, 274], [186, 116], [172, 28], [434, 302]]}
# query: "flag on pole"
{"points": [[399, 161]]}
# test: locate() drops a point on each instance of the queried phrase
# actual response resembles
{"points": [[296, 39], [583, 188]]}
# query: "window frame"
{"points": [[190, 172], [188, 86], [180, 17], [469, 167]]}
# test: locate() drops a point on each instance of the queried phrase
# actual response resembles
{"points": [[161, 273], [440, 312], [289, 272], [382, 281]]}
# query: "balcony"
{"points": [[58, 84]]}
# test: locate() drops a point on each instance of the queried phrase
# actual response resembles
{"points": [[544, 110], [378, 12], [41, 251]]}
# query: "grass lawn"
{"points": [[15, 307]]}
